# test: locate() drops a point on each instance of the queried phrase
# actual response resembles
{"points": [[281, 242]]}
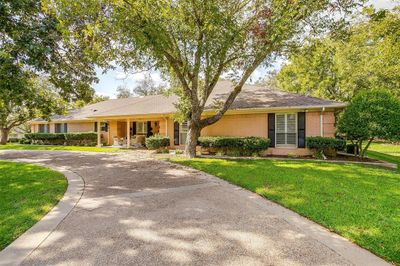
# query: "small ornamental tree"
{"points": [[370, 115]]}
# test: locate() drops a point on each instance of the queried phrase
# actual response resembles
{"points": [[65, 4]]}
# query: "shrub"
{"points": [[83, 139], [14, 140], [321, 143], [25, 141], [46, 138], [157, 142], [235, 145], [352, 149]]}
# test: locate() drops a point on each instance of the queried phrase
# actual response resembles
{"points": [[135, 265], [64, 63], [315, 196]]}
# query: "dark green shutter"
{"points": [[133, 128], [271, 128], [176, 133], [95, 126], [301, 130], [149, 129]]}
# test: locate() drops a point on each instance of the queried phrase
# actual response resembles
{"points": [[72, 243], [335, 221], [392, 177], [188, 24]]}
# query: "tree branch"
{"points": [[237, 89]]}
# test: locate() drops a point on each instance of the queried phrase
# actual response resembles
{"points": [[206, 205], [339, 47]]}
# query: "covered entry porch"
{"points": [[131, 132]]}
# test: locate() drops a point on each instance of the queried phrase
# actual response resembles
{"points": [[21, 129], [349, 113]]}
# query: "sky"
{"points": [[108, 82]]}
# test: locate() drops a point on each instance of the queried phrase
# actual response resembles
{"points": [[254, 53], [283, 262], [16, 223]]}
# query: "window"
{"points": [[60, 128], [43, 128], [103, 127], [141, 128], [183, 129], [286, 129]]}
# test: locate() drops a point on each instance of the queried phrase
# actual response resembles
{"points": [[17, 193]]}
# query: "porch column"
{"points": [[166, 127], [128, 133], [98, 134]]}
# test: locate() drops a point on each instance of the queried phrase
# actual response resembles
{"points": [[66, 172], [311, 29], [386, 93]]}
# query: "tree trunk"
{"points": [[191, 140], [4, 136], [362, 152]]}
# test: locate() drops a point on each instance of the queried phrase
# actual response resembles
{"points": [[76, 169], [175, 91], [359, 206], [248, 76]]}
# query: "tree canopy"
{"points": [[194, 42], [364, 56], [371, 114], [144, 87], [33, 49]]}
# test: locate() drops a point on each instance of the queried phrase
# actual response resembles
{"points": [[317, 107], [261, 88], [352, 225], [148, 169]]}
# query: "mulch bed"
{"points": [[339, 157]]}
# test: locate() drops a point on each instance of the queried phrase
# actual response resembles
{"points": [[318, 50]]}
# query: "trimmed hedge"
{"points": [[46, 138], [74, 139], [81, 139], [14, 140], [236, 146], [321, 144], [157, 142]]}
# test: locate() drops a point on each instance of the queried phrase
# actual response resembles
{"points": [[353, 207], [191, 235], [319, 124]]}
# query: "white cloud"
{"points": [[120, 76], [384, 3]]}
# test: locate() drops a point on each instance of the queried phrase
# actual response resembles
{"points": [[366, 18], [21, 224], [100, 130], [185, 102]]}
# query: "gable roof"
{"points": [[251, 97]]}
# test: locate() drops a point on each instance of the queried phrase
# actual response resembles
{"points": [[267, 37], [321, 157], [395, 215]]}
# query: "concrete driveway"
{"points": [[138, 211]]}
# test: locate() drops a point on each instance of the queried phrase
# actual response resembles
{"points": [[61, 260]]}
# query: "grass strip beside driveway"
{"points": [[57, 148], [358, 202], [27, 193], [385, 152]]}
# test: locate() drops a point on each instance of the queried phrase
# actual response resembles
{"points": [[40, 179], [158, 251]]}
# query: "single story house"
{"points": [[286, 118]]}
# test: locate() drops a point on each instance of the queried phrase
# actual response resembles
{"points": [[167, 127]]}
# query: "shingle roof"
{"points": [[251, 97]]}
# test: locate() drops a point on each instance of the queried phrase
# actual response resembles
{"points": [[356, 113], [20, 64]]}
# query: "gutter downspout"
{"points": [[322, 122]]}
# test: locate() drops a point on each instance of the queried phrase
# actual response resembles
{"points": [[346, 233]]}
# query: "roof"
{"points": [[251, 97]]}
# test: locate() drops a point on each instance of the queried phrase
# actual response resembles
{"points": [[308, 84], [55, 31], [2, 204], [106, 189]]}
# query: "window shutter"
{"points": [[65, 128], [133, 128], [301, 129], [149, 129], [176, 133], [95, 126], [271, 129]]}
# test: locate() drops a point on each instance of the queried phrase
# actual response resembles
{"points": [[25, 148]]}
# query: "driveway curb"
{"points": [[342, 246], [17, 251]]}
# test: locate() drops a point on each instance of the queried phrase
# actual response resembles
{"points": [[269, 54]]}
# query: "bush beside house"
{"points": [[234, 146], [74, 139], [157, 142], [327, 146]]}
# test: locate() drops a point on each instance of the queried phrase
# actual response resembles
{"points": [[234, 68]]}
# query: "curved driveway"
{"points": [[139, 211]]}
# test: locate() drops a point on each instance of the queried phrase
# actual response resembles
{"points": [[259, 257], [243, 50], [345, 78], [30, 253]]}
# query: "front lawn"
{"points": [[27, 193], [385, 152], [56, 148], [360, 203]]}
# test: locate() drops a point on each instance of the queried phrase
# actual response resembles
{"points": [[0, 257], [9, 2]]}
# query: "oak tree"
{"points": [[32, 46], [194, 42]]}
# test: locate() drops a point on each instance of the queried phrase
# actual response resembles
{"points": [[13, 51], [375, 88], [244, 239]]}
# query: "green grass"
{"points": [[358, 202], [385, 152], [27, 193], [56, 148]]}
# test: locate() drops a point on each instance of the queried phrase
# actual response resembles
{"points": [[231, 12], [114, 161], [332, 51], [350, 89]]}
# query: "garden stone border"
{"points": [[24, 245]]}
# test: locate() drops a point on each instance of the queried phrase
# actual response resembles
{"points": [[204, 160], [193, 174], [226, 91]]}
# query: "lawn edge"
{"points": [[25, 244], [344, 247]]}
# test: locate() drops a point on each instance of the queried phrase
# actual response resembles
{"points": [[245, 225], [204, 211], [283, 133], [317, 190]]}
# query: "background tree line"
{"points": [[363, 56]]}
